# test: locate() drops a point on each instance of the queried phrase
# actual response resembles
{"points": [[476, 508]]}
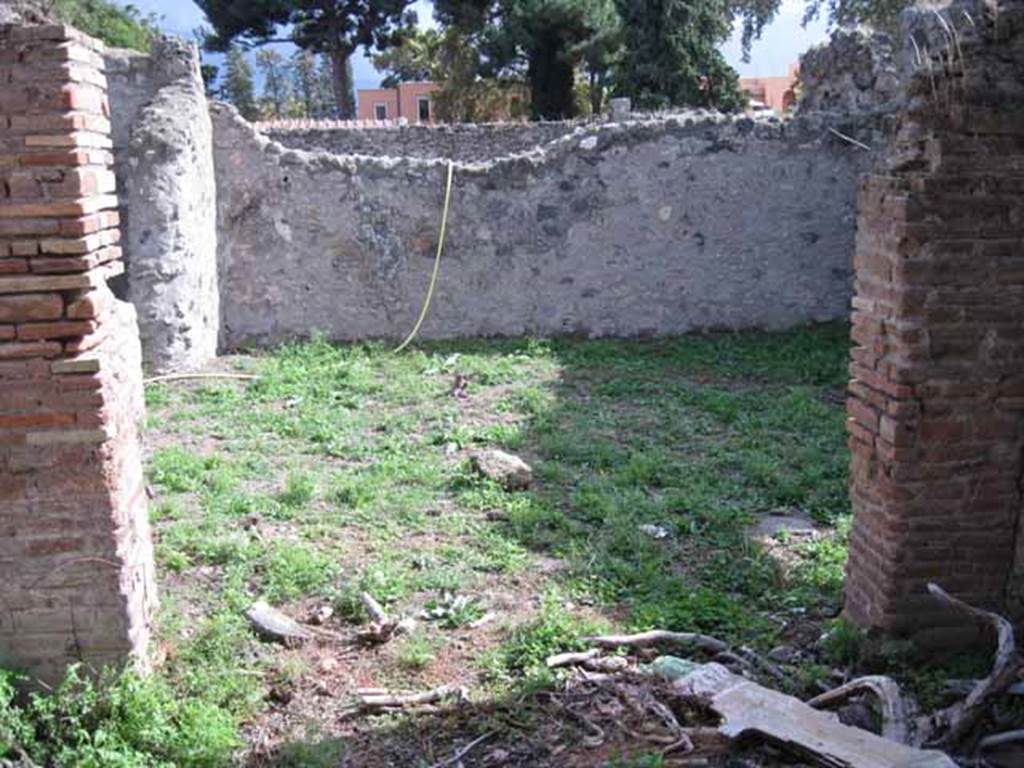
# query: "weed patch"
{"points": [[343, 469]]}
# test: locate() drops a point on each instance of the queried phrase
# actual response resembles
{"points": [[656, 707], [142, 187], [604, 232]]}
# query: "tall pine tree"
{"points": [[276, 87], [335, 28], [304, 81], [327, 104], [670, 54], [237, 86], [543, 41]]}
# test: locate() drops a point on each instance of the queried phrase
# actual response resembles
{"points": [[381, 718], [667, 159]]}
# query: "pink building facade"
{"points": [[413, 101], [778, 93]]}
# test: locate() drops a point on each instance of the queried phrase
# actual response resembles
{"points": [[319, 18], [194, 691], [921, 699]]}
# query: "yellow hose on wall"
{"points": [[437, 260]]}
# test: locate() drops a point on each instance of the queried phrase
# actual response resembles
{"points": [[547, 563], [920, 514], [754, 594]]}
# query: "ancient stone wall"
{"points": [[937, 398], [469, 143], [163, 148], [655, 227], [76, 565], [856, 71]]}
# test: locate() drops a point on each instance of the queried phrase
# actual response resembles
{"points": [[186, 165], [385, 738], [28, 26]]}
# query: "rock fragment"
{"points": [[509, 470]]}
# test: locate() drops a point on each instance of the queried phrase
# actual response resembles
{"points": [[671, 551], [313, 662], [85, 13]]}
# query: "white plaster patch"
{"points": [[283, 229]]}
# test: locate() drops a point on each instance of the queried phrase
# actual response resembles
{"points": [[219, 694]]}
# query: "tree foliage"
{"points": [[335, 28], [880, 14], [311, 89], [451, 59], [670, 54], [276, 85], [238, 86], [542, 41], [416, 59], [121, 26]]}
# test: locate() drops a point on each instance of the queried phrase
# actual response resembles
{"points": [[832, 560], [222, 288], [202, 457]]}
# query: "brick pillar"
{"points": [[936, 408], [76, 566]]}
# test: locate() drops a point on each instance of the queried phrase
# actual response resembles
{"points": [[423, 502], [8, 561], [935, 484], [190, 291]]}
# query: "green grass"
{"points": [[343, 469], [699, 434]]}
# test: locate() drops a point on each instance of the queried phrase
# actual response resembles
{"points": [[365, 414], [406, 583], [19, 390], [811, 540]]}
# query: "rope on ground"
{"points": [[437, 261]]}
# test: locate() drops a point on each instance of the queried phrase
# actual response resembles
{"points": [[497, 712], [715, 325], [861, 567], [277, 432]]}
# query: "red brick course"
{"points": [[935, 419], [75, 556]]}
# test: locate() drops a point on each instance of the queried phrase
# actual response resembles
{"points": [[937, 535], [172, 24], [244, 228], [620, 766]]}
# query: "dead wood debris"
{"points": [[785, 720], [896, 709], [459, 386], [953, 726], [382, 627], [380, 699], [185, 376], [274, 625], [718, 649], [751, 710], [457, 757]]}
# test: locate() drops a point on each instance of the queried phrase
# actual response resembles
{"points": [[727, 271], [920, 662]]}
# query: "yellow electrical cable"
{"points": [[437, 260]]}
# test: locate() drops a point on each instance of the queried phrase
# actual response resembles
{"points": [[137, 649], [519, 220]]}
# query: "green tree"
{"points": [[335, 28], [209, 72], [275, 80], [416, 58], [544, 41], [670, 55], [304, 81], [880, 14], [600, 53], [237, 87], [121, 26], [884, 15], [327, 105]]}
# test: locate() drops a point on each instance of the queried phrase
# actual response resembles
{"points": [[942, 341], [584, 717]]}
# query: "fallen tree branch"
{"points": [[457, 757], [998, 739], [377, 699], [849, 139], [749, 710], [719, 649], [571, 659], [659, 637], [487, 618], [382, 627], [375, 609], [772, 670], [959, 720], [895, 709], [184, 376], [591, 660], [273, 624]]}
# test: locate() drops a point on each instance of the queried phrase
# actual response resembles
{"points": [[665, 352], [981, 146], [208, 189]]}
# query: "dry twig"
{"points": [[374, 698], [457, 757], [958, 721], [382, 627], [896, 710], [184, 376], [571, 659], [660, 637]]}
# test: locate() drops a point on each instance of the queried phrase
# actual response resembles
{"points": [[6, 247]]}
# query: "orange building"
{"points": [[412, 101], [778, 92]]}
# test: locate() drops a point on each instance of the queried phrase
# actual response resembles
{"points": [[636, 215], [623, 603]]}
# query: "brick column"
{"points": [[936, 408], [76, 566]]}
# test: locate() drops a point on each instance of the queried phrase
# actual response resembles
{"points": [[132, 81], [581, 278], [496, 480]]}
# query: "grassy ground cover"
{"points": [[344, 468]]}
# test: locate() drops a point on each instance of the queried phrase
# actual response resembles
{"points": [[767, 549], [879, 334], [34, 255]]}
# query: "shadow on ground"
{"points": [[345, 469]]}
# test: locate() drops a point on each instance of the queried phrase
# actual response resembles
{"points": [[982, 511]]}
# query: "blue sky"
{"points": [[781, 43]]}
